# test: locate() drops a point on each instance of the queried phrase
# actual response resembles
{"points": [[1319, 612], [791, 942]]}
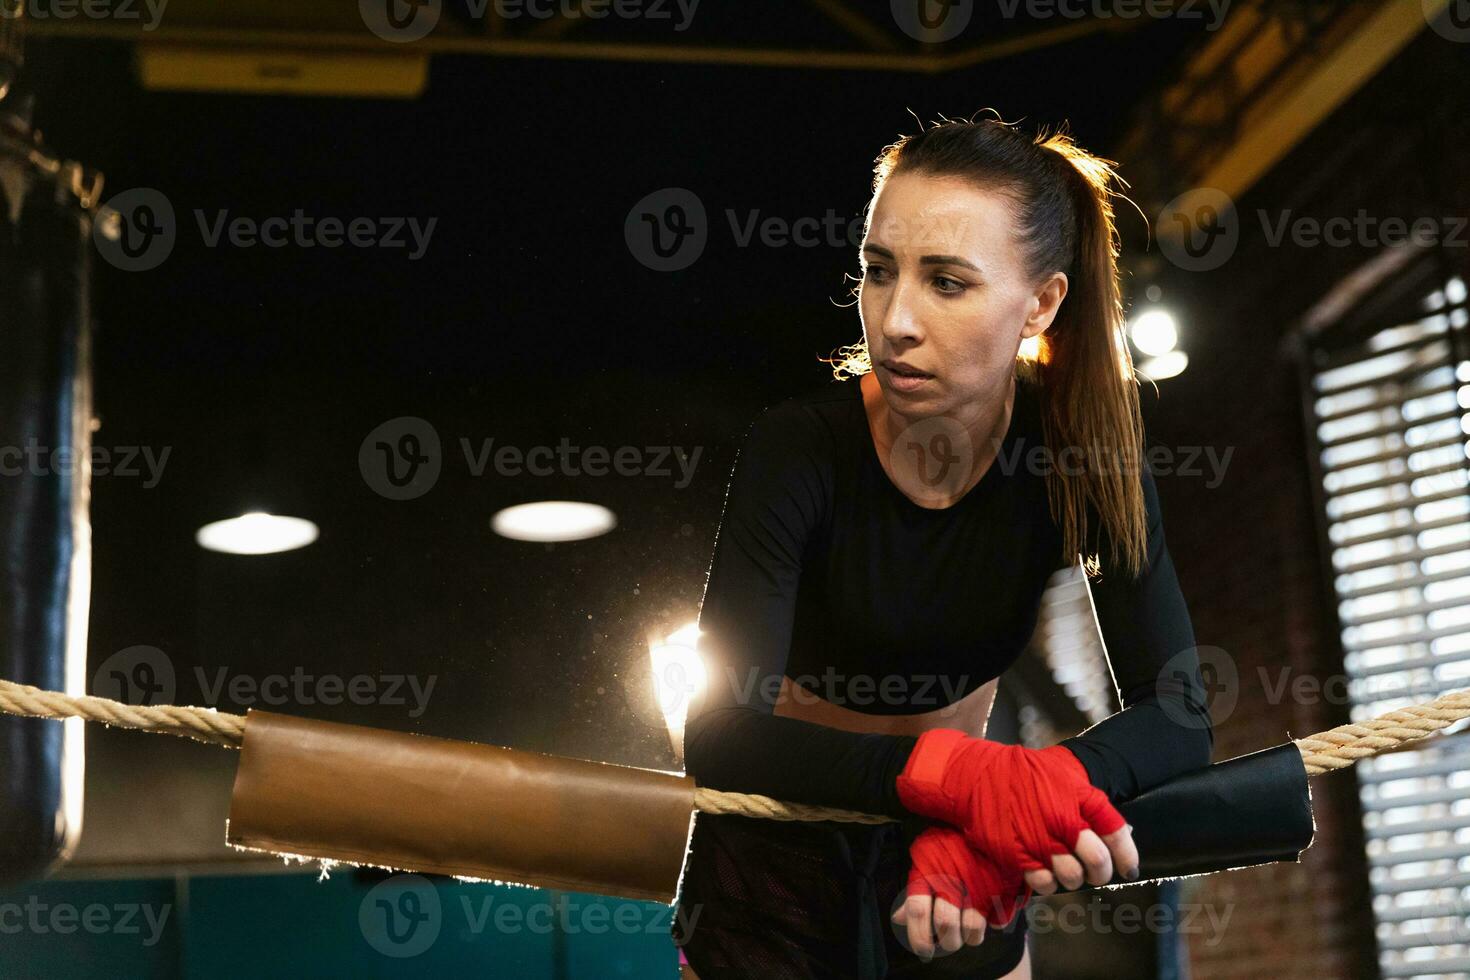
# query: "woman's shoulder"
{"points": [[816, 418]]}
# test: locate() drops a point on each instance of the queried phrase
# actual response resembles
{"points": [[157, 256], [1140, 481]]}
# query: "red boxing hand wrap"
{"points": [[945, 867], [1016, 806]]}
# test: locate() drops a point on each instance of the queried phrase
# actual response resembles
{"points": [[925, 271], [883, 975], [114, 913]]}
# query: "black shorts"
{"points": [[811, 901]]}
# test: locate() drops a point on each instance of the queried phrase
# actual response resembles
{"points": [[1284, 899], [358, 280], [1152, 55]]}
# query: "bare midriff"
{"points": [[969, 714]]}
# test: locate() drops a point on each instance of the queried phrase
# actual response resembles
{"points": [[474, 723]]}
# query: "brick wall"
{"points": [[1248, 563], [1248, 551]]}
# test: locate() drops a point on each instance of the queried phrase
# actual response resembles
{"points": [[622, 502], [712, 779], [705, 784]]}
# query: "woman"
{"points": [[880, 562]]}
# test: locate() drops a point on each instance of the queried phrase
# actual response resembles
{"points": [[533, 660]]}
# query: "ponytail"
{"points": [[1087, 374]]}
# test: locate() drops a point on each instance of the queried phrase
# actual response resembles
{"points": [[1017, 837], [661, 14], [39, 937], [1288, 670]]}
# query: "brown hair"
{"points": [[1063, 207]]}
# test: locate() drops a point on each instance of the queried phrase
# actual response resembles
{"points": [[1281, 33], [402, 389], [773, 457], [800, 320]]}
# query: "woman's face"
{"points": [[945, 291]]}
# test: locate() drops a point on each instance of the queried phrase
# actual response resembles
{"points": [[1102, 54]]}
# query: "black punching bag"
{"points": [[45, 529]]}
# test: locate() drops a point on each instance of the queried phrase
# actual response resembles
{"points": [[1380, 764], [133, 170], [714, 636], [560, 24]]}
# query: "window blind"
{"points": [[1390, 418]]}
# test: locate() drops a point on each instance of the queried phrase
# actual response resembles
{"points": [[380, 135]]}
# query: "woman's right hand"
{"points": [[1031, 812], [953, 894]]}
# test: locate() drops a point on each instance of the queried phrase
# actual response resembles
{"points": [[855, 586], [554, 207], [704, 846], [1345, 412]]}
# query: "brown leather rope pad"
{"points": [[396, 800]]}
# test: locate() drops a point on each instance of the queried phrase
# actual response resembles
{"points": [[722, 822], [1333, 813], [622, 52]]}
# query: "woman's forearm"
{"points": [[744, 750], [1142, 746]]}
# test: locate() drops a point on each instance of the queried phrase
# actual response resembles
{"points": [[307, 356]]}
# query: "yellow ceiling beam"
{"points": [[444, 40], [1309, 88], [278, 71], [1284, 117]]}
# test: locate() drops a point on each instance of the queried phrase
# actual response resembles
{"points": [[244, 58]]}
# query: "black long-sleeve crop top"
{"points": [[825, 572]]}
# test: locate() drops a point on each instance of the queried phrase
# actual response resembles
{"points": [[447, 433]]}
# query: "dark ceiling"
{"points": [[528, 319]]}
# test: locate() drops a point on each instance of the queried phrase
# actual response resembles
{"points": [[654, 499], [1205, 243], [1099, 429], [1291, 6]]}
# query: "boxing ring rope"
{"points": [[1326, 751], [201, 724]]}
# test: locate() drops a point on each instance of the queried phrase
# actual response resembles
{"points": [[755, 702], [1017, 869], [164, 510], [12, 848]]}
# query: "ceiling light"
{"points": [[1165, 365], [1155, 332], [553, 520], [256, 533]]}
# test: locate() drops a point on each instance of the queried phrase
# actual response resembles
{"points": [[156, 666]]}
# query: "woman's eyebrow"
{"points": [[882, 252]]}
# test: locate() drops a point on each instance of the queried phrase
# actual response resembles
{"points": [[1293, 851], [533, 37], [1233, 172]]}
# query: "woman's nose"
{"points": [[901, 317]]}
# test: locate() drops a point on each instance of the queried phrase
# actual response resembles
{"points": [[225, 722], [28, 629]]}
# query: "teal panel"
{"points": [[348, 925]]}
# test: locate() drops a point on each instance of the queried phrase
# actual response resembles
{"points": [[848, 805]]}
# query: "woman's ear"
{"points": [[1049, 298]]}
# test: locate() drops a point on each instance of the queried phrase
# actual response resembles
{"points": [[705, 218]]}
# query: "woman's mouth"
{"points": [[906, 379]]}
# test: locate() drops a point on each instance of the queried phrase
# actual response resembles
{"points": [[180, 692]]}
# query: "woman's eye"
{"points": [[877, 274]]}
